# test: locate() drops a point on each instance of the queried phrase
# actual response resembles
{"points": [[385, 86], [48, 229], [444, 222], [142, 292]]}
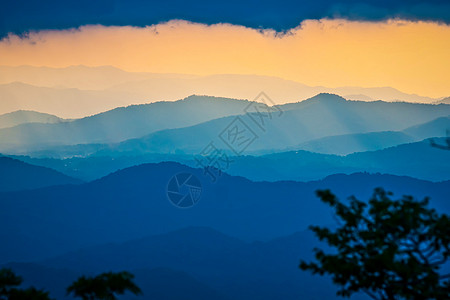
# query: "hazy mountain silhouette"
{"points": [[120, 123], [362, 142], [132, 203], [321, 116], [416, 159], [22, 116], [157, 283], [17, 175], [435, 128], [193, 261], [359, 142], [443, 101], [126, 88], [64, 102], [248, 86], [79, 77], [163, 143], [237, 269]]}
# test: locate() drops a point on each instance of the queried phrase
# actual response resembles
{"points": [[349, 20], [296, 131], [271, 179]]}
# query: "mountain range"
{"points": [[324, 119], [65, 102], [418, 159], [79, 91], [188, 125], [22, 117], [195, 261], [276, 153], [133, 203], [119, 124], [16, 175], [242, 240], [95, 188]]}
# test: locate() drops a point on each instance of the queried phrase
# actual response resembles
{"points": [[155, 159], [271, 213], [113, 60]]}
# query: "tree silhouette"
{"points": [[8, 280], [29, 294], [9, 291], [104, 286], [389, 249]]}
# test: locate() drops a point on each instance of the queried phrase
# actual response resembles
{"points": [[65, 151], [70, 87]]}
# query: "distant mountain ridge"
{"points": [[443, 101], [229, 265], [371, 141], [79, 76], [17, 175], [120, 123], [58, 90], [418, 159], [379, 152], [22, 117], [322, 116], [133, 203], [156, 283], [334, 144], [65, 102], [195, 261]]}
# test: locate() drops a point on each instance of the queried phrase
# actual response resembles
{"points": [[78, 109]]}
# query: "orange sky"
{"points": [[410, 56]]}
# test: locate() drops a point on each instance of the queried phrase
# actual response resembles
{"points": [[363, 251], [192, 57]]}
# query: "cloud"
{"points": [[20, 16], [410, 56]]}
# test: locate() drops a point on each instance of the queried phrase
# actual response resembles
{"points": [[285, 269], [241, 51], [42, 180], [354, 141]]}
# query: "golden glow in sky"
{"points": [[410, 56]]}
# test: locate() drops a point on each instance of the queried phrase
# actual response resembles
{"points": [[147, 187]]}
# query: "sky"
{"points": [[402, 44], [19, 16]]}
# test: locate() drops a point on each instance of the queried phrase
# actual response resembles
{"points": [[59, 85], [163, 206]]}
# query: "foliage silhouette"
{"points": [[104, 286], [9, 291], [389, 249], [29, 294]]}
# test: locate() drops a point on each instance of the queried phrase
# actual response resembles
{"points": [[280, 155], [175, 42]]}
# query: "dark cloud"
{"points": [[19, 16]]}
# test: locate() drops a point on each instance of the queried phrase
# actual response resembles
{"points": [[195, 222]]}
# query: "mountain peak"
{"points": [[327, 97], [201, 97], [207, 98]]}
